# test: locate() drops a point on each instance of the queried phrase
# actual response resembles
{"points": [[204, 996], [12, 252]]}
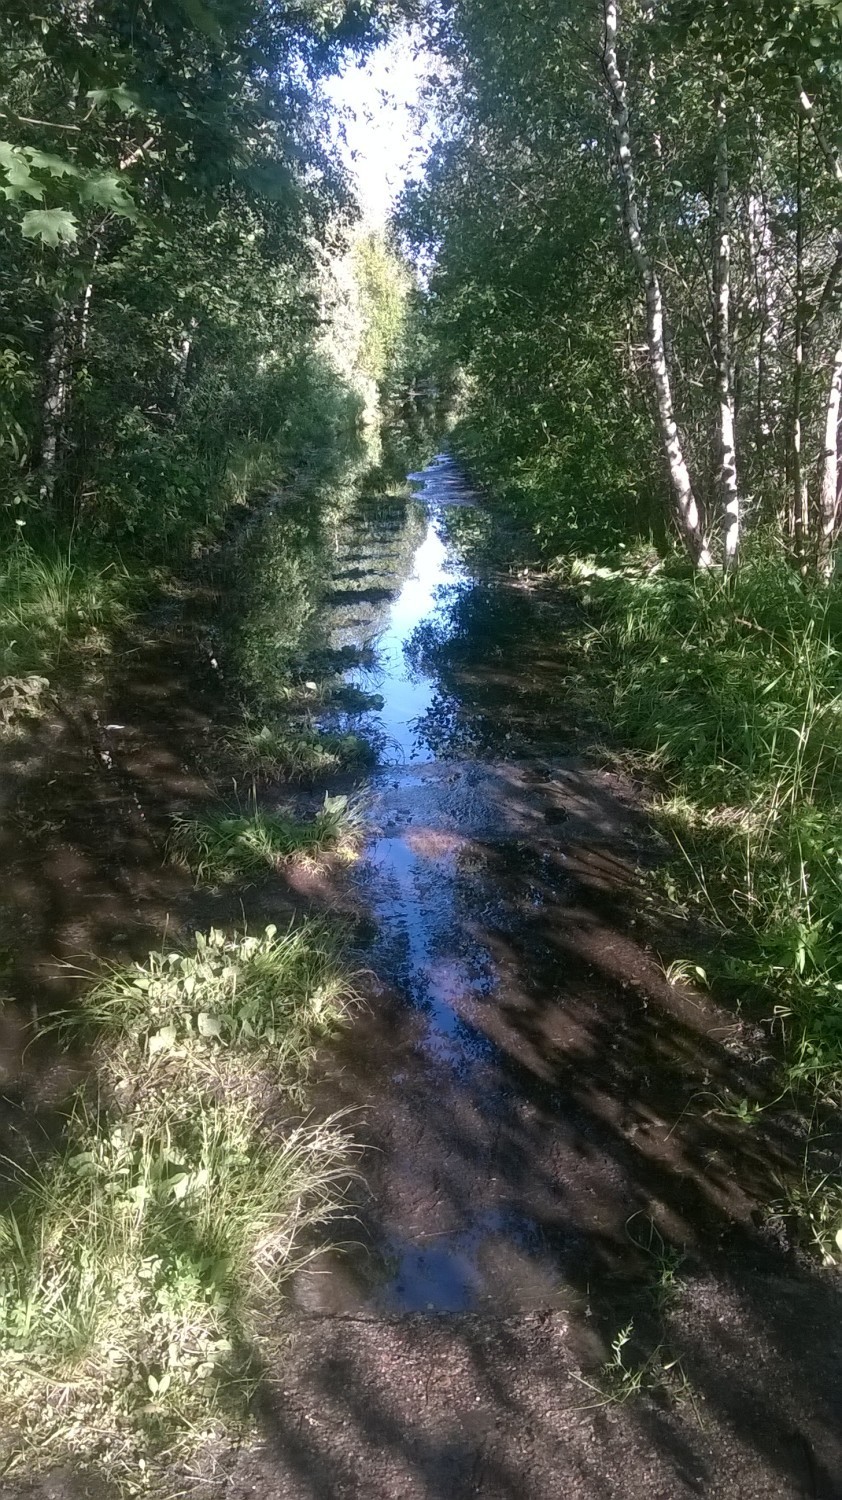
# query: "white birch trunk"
{"points": [[800, 496], [53, 405], [182, 357], [722, 284], [809, 111], [829, 497], [685, 508], [85, 316]]}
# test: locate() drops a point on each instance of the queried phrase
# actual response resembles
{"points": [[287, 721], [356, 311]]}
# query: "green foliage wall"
{"points": [[166, 204], [535, 291]]}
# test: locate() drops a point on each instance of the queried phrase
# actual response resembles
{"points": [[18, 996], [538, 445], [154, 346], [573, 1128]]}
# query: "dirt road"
{"points": [[559, 1277], [547, 1172]]}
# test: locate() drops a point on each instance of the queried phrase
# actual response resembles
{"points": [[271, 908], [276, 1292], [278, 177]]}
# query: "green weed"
{"points": [[226, 845], [734, 693], [280, 990], [664, 1260], [629, 1371], [815, 1202], [144, 1261], [622, 1377], [291, 752], [51, 600], [683, 971]]}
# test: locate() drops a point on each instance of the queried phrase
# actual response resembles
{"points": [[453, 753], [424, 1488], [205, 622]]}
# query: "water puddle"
{"points": [[435, 578], [511, 1068]]}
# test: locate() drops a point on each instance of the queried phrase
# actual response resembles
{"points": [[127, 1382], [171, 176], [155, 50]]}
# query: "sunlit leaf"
{"points": [[53, 226]]}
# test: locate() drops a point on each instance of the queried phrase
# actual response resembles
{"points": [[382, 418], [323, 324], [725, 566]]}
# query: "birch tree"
{"points": [[686, 509], [686, 119], [722, 289], [829, 501]]}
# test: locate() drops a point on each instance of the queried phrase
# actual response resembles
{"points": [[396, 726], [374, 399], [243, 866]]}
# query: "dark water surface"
{"points": [[521, 1061]]}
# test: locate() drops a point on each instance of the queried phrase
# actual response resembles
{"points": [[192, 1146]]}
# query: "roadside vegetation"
{"points": [[192, 313], [201, 350], [733, 694], [295, 751], [143, 1260], [49, 601]]}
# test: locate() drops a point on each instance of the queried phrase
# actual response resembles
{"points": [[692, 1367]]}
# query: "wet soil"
{"points": [[547, 1162]]}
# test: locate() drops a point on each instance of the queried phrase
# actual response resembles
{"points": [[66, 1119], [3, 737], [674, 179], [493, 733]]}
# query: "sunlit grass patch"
{"points": [[734, 692], [225, 845], [282, 991], [141, 1263], [50, 600], [289, 751]]}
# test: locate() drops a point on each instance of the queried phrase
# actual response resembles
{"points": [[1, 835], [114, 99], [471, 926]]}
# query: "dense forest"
{"points": [[187, 308], [635, 221], [613, 296]]}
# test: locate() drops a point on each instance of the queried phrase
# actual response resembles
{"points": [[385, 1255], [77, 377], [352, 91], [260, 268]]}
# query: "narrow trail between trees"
{"points": [[557, 1275], [550, 1189]]}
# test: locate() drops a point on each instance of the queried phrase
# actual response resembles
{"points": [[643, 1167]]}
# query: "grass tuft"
{"points": [[142, 1262], [290, 752], [49, 601], [225, 845]]}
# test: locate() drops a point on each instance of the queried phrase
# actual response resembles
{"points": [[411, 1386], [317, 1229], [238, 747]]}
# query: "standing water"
{"points": [[557, 1213], [486, 1175]]}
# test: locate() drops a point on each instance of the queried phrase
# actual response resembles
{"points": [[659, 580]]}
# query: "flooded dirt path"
{"points": [[561, 1274], [540, 1177], [494, 875]]}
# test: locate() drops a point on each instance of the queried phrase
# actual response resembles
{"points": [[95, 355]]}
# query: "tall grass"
{"points": [[142, 1262], [51, 599], [734, 692]]}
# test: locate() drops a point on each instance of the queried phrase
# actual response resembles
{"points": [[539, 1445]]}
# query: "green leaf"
{"points": [[163, 1040], [47, 161], [107, 191], [119, 95], [53, 226], [19, 178], [201, 16]]}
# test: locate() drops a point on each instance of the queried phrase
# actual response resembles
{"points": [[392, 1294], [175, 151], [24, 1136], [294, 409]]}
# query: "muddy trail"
{"points": [[558, 1275]]}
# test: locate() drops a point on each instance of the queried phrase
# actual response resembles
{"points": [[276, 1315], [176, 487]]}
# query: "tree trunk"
{"points": [[685, 508], [87, 298], [722, 287], [808, 110], [829, 500], [799, 482], [53, 404], [182, 360]]}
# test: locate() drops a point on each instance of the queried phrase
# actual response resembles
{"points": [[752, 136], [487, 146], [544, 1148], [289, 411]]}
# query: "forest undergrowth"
{"points": [[147, 1245], [730, 692]]}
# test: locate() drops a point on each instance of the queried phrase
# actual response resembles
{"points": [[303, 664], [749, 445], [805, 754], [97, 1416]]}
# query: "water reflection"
{"points": [[401, 606], [408, 689]]}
